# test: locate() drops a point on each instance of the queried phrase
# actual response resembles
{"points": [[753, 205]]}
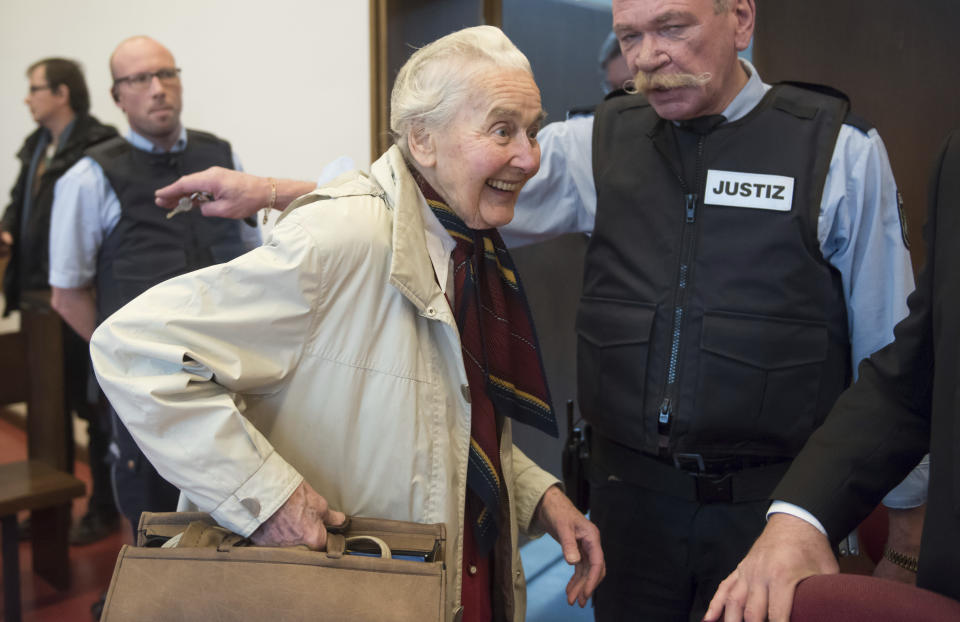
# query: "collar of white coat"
{"points": [[413, 269]]}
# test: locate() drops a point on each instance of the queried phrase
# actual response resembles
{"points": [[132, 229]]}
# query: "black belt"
{"points": [[690, 476]]}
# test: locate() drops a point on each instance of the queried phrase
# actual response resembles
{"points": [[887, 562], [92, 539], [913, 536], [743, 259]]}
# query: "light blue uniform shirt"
{"points": [[85, 211], [858, 228]]}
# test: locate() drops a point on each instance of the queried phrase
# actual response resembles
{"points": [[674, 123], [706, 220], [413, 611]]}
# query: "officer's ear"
{"points": [[745, 12], [113, 94]]}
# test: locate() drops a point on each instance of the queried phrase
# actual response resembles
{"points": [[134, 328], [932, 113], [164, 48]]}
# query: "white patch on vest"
{"points": [[773, 192]]}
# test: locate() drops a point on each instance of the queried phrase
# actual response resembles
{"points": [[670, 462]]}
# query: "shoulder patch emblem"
{"points": [[904, 232]]}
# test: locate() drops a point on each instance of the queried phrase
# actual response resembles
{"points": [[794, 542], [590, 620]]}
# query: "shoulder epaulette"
{"points": [[823, 89], [858, 122]]}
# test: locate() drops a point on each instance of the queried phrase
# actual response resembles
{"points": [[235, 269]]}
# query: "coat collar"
{"points": [[411, 270], [87, 131]]}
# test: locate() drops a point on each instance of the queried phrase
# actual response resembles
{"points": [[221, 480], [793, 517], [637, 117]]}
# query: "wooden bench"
{"points": [[47, 492]]}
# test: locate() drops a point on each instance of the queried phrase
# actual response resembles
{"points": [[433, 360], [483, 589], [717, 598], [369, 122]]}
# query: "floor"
{"points": [[91, 566]]}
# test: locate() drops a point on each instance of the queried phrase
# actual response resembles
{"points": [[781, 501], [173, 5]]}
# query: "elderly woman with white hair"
{"points": [[372, 356]]}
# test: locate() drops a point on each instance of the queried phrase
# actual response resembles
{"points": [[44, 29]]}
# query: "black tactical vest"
{"points": [[146, 248], [710, 322]]}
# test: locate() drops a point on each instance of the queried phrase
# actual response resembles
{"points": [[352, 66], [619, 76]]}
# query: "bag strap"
{"points": [[342, 528], [201, 534]]}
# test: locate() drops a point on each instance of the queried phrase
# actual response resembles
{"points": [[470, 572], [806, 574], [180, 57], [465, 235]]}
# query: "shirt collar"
{"points": [[440, 245], [65, 134], [749, 96], [144, 144]]}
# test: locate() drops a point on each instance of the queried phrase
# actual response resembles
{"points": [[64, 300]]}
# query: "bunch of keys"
{"points": [[188, 202]]}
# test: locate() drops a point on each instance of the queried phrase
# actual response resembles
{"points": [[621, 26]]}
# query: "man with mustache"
{"points": [[747, 251], [109, 242]]}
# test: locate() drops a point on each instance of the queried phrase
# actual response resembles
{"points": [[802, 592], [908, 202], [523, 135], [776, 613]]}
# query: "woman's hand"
{"points": [[580, 540], [303, 519]]}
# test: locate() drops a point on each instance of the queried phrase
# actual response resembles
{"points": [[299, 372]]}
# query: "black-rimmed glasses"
{"points": [[140, 81]]}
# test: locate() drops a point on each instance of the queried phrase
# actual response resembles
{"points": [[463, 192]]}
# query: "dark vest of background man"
{"points": [[110, 242], [59, 103], [146, 247]]}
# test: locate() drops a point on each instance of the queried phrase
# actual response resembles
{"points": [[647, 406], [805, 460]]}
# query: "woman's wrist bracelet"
{"points": [[273, 198]]}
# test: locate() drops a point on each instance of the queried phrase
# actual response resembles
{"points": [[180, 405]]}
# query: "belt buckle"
{"points": [[715, 489], [684, 462]]}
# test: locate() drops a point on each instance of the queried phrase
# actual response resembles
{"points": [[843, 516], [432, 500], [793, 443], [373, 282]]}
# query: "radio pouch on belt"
{"points": [[576, 454]]}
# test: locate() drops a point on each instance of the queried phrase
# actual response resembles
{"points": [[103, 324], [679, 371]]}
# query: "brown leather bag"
{"points": [[209, 573]]}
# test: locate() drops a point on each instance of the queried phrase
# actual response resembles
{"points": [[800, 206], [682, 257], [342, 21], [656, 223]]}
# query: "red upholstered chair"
{"points": [[857, 598], [861, 598]]}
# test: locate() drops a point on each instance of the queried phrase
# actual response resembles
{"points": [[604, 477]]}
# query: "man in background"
{"points": [[109, 242], [613, 66], [60, 104]]}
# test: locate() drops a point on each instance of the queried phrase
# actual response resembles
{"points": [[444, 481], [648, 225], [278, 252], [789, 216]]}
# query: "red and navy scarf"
{"points": [[501, 355]]}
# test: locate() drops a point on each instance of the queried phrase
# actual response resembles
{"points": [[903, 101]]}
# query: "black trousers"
{"points": [[83, 398], [665, 555], [137, 485]]}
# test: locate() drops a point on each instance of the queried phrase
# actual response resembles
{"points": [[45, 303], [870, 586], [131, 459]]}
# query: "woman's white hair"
{"points": [[436, 80]]}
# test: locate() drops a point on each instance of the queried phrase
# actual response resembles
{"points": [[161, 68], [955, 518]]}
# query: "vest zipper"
{"points": [[687, 244]]}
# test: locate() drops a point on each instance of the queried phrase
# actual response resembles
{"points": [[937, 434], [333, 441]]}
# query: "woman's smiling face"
{"points": [[485, 155]]}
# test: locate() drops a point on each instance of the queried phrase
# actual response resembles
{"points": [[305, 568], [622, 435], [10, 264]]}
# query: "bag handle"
{"points": [[337, 545]]}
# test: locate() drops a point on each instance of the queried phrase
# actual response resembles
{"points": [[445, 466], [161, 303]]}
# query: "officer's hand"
{"points": [[789, 549], [580, 540], [301, 520], [235, 194], [6, 242]]}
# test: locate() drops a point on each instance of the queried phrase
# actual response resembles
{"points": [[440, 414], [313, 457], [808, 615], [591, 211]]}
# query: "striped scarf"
{"points": [[501, 356]]}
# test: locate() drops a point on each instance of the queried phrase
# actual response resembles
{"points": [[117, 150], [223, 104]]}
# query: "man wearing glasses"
{"points": [[60, 104], [109, 242]]}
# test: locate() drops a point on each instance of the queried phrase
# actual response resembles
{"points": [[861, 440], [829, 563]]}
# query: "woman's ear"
{"points": [[422, 148]]}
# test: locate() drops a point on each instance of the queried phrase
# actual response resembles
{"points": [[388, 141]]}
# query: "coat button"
{"points": [[472, 570], [252, 506], [431, 311], [465, 392], [131, 465]]}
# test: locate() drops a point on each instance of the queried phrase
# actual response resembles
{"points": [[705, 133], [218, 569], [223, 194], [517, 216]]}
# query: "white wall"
{"points": [[285, 81]]}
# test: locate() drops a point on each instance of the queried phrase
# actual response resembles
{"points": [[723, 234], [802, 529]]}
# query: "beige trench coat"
{"points": [[329, 354]]}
